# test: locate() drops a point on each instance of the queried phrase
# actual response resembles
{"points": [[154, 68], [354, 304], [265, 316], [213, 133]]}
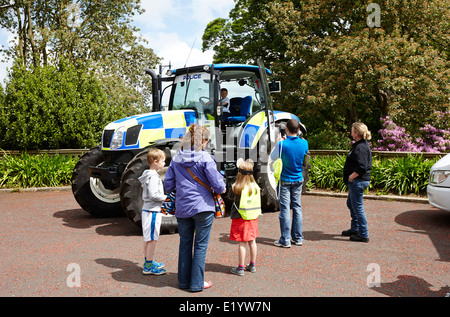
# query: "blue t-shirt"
{"points": [[293, 151]]}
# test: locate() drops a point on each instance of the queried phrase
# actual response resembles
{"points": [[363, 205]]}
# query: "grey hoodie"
{"points": [[152, 191]]}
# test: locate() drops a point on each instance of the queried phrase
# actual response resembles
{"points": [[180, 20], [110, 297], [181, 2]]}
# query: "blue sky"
{"points": [[171, 28]]}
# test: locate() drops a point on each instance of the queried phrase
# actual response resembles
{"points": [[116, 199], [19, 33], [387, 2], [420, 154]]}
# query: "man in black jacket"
{"points": [[357, 174]]}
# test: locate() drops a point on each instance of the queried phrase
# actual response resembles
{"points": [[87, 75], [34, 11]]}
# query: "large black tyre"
{"points": [[269, 200], [90, 193], [131, 192], [264, 172]]}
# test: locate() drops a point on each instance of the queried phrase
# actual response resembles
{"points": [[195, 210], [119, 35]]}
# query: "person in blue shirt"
{"points": [[292, 150]]}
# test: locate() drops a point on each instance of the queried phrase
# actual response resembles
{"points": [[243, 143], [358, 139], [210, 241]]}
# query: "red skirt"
{"points": [[243, 230]]}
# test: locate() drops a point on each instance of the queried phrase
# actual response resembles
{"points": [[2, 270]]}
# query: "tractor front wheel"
{"points": [[90, 193]]}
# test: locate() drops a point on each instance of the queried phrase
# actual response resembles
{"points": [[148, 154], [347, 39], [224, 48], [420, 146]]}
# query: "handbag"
{"points": [[168, 205], [218, 200]]}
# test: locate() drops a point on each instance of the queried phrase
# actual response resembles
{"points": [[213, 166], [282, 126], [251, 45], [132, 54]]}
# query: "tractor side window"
{"points": [[241, 88]]}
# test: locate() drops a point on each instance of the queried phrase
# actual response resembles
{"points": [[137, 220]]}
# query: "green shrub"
{"points": [[26, 170], [54, 107], [399, 175], [326, 172], [402, 175]]}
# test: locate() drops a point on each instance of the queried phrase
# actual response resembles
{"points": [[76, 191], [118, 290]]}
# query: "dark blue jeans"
{"points": [[291, 194], [356, 206], [194, 232]]}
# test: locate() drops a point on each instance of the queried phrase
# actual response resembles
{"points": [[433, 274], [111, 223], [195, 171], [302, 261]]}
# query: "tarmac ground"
{"points": [[50, 247]]}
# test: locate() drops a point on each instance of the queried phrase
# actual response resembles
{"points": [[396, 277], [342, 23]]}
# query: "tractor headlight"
{"points": [[117, 139]]}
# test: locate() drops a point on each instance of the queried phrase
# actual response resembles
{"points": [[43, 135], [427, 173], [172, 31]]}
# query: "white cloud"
{"points": [[204, 11], [174, 27], [172, 49], [156, 13]]}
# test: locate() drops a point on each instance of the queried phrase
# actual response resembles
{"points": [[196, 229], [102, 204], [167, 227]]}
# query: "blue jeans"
{"points": [[290, 193], [194, 232], [355, 204]]}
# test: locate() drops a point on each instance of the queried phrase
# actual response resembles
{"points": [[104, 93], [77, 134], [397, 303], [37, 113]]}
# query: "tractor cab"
{"points": [[200, 90], [223, 96]]}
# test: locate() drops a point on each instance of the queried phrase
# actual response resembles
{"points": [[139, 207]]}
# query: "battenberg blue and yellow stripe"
{"points": [[256, 126], [155, 126]]}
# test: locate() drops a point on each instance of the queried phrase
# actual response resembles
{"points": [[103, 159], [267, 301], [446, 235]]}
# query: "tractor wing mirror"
{"points": [[274, 86]]}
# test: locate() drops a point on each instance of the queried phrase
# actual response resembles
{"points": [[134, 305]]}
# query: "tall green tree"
{"points": [[96, 33], [248, 34], [336, 69], [356, 72]]}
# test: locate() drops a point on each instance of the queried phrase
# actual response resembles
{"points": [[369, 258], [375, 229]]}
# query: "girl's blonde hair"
{"points": [[362, 130], [242, 179], [194, 138]]}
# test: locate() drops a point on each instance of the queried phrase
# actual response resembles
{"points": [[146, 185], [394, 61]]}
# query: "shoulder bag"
{"points": [[218, 201]]}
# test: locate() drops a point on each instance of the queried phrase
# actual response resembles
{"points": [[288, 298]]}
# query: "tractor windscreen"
{"points": [[191, 90]]}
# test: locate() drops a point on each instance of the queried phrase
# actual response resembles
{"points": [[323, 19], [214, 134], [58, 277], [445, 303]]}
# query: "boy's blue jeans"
{"points": [[355, 204], [290, 193], [194, 232]]}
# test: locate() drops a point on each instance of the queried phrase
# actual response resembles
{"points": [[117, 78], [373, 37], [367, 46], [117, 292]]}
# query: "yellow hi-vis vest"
{"points": [[250, 205]]}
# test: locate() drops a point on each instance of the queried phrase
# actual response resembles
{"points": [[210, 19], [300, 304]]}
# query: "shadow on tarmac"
{"points": [[411, 286], [435, 224], [80, 219]]}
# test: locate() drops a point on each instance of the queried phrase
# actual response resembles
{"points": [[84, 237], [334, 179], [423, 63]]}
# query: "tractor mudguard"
{"points": [[256, 126]]}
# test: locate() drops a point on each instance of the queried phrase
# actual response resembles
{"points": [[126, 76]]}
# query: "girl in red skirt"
{"points": [[244, 214]]}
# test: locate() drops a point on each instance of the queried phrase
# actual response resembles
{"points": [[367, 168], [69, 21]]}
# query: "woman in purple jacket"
{"points": [[194, 204]]}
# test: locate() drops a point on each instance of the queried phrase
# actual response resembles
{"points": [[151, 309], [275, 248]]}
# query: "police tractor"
{"points": [[105, 179]]}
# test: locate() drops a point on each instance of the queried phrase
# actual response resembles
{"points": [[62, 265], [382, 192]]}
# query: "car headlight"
{"points": [[117, 139], [438, 177]]}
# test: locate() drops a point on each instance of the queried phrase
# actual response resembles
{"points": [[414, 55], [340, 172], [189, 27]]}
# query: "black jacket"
{"points": [[359, 160], [236, 199]]}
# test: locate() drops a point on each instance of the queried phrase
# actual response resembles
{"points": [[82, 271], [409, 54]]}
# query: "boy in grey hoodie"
{"points": [[153, 196]]}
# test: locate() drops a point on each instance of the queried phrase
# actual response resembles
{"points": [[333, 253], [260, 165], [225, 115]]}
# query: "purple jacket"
{"points": [[192, 197]]}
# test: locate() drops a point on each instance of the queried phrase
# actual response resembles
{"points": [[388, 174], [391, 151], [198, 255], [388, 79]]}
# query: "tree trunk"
{"points": [[383, 97]]}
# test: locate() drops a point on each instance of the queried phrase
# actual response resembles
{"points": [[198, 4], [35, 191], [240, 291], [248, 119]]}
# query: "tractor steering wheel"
{"points": [[204, 103]]}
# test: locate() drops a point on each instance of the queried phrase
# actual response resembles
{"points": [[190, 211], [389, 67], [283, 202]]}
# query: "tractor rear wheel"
{"points": [[266, 181], [89, 192]]}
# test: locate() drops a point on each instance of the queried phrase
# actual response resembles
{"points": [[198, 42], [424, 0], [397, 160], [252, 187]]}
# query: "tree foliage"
{"points": [[248, 34], [358, 73], [54, 107], [98, 33], [336, 69]]}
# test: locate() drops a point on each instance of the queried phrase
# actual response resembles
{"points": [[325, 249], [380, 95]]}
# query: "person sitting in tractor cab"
{"points": [[225, 103]]}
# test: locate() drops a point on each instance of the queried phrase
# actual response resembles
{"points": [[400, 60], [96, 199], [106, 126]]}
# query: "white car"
{"points": [[438, 189]]}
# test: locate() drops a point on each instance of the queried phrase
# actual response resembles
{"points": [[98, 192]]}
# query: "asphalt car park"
{"points": [[49, 246]]}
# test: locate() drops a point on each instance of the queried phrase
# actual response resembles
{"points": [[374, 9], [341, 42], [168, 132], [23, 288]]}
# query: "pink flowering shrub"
{"points": [[432, 139]]}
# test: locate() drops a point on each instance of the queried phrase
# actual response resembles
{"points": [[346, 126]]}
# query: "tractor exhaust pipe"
{"points": [[155, 90]]}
